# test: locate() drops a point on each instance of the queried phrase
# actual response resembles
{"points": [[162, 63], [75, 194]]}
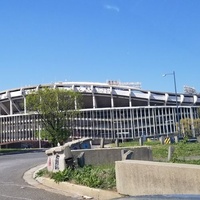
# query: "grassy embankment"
{"points": [[184, 152]]}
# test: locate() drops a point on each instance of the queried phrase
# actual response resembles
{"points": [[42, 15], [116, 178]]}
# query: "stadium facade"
{"points": [[111, 110]]}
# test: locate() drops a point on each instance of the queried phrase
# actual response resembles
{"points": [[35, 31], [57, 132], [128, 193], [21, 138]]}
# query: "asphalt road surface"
{"points": [[12, 184]]}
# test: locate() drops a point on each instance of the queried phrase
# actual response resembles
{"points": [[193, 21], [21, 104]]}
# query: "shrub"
{"points": [[61, 176]]}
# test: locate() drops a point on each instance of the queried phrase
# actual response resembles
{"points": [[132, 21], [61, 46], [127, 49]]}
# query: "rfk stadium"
{"points": [[111, 110]]}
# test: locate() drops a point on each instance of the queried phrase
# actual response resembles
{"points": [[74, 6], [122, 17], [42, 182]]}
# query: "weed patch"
{"points": [[102, 177]]}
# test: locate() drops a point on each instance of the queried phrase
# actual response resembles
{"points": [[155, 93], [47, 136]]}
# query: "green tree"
{"points": [[187, 124], [57, 109], [197, 125]]}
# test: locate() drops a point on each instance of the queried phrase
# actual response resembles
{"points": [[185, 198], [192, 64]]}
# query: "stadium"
{"points": [[111, 110]]}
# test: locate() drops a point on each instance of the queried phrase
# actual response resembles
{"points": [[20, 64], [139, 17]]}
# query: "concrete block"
{"points": [[50, 163], [59, 158], [141, 141], [170, 152], [135, 177], [162, 139]]}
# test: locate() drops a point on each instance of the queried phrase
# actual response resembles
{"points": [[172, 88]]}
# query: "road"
{"points": [[12, 184]]}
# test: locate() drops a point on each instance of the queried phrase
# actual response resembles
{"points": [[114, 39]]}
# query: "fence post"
{"points": [[141, 142], [170, 152]]}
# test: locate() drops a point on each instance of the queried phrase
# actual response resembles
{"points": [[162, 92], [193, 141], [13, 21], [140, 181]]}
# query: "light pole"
{"points": [[39, 137], [177, 110]]}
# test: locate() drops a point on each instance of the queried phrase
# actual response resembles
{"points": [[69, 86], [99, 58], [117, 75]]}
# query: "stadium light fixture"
{"points": [[177, 110]]}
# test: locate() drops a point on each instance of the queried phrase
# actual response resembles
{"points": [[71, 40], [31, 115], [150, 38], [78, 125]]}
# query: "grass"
{"points": [[16, 150], [160, 152], [11, 150]]}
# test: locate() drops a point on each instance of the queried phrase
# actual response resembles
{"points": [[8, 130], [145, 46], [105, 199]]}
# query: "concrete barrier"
{"points": [[59, 158], [83, 143], [101, 156], [135, 177]]}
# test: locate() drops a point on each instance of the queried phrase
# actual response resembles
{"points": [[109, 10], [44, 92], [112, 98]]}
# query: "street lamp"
{"points": [[177, 110]]}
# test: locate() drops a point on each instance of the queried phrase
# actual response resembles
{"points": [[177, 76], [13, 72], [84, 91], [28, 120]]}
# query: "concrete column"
{"points": [[149, 98], [94, 102], [176, 139], [117, 142], [24, 104], [111, 97], [102, 143], [141, 142], [192, 121], [162, 139], [130, 102], [11, 107]]}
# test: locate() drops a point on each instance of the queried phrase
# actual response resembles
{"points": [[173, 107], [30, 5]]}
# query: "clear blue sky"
{"points": [[46, 41]]}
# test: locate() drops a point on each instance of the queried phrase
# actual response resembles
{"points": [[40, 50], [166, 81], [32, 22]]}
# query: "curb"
{"points": [[67, 188], [83, 191]]}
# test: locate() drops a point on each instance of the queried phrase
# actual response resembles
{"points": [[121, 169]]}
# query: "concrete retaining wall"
{"points": [[110, 155], [146, 178]]}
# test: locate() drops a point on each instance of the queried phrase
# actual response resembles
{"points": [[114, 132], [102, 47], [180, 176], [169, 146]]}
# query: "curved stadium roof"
{"points": [[99, 95]]}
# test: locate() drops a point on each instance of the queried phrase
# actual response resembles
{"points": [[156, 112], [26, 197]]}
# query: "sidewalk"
{"points": [[67, 189]]}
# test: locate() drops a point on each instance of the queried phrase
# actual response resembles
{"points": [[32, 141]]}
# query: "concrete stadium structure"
{"points": [[111, 110]]}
